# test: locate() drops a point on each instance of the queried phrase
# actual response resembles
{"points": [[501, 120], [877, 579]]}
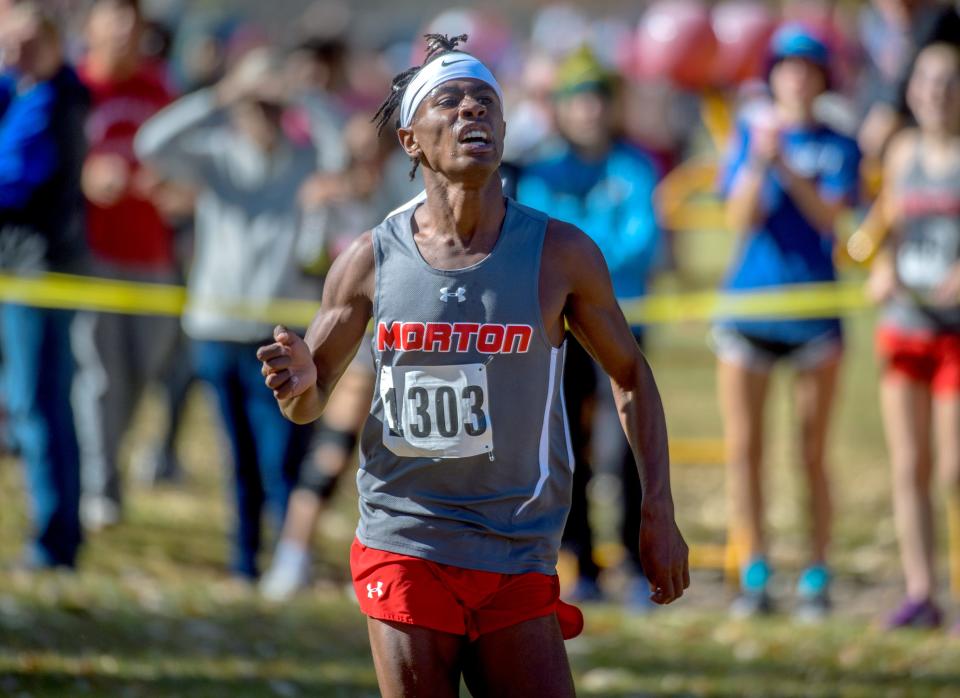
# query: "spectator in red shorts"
{"points": [[918, 279]]}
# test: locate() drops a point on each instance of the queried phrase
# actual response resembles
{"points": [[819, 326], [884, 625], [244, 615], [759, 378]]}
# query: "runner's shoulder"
{"points": [[354, 268], [567, 247]]}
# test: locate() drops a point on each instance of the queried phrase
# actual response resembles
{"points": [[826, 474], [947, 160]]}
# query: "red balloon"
{"points": [[675, 41], [743, 29]]}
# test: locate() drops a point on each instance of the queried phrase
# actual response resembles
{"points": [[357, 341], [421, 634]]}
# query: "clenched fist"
{"points": [[288, 366]]}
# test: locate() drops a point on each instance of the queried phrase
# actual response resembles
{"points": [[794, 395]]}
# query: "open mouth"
{"points": [[475, 136]]}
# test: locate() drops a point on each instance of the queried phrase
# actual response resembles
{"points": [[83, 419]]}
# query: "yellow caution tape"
{"points": [[109, 295], [802, 301], [137, 298], [88, 293]]}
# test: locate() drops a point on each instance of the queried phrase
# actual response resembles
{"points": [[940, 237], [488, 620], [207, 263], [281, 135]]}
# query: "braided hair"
{"points": [[437, 45]]}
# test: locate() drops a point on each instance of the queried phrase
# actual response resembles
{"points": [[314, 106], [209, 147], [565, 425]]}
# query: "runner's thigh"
{"points": [[413, 661], [527, 659]]}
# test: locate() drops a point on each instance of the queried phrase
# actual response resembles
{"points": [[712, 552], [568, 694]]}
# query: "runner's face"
{"points": [[458, 130]]}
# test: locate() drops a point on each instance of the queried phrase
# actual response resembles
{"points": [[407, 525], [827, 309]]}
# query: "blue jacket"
{"points": [[42, 147], [611, 200]]}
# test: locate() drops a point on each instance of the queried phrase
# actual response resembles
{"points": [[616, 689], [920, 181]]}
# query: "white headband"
{"points": [[449, 66]]}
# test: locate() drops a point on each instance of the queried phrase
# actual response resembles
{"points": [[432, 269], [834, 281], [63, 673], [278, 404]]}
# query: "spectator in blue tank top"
{"points": [[604, 185], [785, 181]]}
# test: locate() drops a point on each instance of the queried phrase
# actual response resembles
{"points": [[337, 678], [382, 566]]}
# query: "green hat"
{"points": [[581, 71]]}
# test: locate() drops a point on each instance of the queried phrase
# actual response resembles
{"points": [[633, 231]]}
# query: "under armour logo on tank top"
{"points": [[460, 294]]}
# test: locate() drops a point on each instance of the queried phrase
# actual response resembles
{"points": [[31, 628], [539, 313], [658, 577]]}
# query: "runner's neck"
{"points": [[453, 210]]}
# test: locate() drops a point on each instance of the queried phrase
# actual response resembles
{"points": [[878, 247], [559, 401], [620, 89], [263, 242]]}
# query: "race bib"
{"points": [[923, 261], [436, 411]]}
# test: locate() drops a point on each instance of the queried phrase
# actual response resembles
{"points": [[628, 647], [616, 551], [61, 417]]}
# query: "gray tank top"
{"points": [[927, 247], [465, 457]]}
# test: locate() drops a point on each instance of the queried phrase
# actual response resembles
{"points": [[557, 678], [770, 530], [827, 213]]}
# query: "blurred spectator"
{"points": [[118, 354], [918, 279], [156, 42], [834, 24], [344, 205], [228, 141], [531, 109], [786, 179], [892, 32], [42, 107], [600, 183], [155, 461], [317, 77], [198, 54], [591, 177], [660, 119]]}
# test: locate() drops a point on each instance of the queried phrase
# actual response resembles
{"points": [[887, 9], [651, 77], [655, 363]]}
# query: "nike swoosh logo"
{"points": [[459, 60]]}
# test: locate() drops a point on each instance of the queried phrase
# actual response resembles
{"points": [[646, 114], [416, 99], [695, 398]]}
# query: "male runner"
{"points": [[466, 468]]}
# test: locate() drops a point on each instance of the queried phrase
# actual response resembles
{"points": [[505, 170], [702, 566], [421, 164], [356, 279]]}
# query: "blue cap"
{"points": [[796, 41]]}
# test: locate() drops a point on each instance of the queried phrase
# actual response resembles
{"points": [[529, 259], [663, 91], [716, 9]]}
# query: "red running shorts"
{"points": [[452, 599], [931, 359]]}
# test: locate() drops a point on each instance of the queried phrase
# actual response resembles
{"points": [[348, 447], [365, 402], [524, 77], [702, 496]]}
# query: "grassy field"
{"points": [[153, 613]]}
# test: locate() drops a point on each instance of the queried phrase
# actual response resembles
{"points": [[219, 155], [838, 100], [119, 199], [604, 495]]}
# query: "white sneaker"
{"points": [[288, 574], [98, 513]]}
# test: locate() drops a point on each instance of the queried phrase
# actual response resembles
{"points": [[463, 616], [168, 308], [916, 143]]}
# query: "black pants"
{"points": [[580, 393]]}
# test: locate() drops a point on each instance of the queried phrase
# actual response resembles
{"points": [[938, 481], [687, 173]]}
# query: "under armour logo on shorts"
{"points": [[460, 295], [378, 590]]}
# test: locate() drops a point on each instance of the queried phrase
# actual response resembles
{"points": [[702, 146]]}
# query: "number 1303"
{"points": [[437, 412]]}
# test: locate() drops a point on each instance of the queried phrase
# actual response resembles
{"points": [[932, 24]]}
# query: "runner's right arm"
{"points": [[303, 372]]}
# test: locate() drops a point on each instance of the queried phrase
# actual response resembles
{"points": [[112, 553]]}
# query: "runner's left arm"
{"points": [[595, 318]]}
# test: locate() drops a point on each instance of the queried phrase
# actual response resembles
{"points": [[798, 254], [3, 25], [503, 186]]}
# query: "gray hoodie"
{"points": [[247, 221]]}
